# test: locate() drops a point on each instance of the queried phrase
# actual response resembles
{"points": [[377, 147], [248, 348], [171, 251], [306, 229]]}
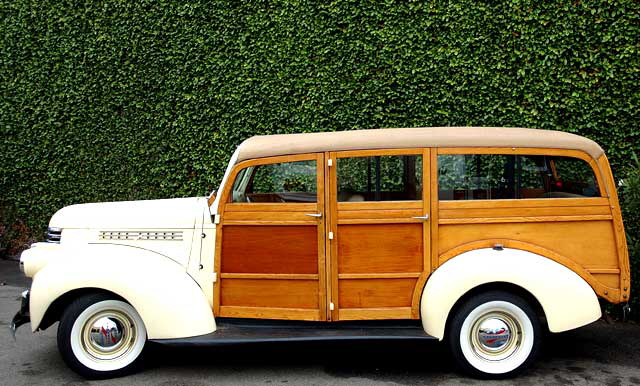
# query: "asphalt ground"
{"points": [[598, 354]]}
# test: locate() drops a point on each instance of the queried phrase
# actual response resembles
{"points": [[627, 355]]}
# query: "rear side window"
{"points": [[496, 176], [380, 178]]}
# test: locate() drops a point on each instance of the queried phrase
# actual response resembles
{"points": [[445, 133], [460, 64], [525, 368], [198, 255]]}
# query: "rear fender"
{"points": [[567, 300]]}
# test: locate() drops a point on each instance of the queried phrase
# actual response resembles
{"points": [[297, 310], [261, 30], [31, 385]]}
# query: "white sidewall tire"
{"points": [[109, 365], [513, 361]]}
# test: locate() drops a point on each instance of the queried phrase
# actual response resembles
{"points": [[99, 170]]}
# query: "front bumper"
{"points": [[22, 316]]}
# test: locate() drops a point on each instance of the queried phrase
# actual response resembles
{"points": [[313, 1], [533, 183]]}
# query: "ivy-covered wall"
{"points": [[117, 100]]}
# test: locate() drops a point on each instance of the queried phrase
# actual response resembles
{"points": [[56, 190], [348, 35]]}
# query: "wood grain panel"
{"points": [[270, 293], [382, 214], [376, 313], [426, 232], [270, 249], [593, 270], [277, 276], [523, 203], [331, 226], [378, 205], [436, 207], [525, 212], [618, 227], [375, 293], [377, 152], [589, 243], [493, 220], [402, 220], [608, 279], [320, 236], [271, 216], [269, 313], [400, 275], [270, 207], [270, 222], [381, 248]]}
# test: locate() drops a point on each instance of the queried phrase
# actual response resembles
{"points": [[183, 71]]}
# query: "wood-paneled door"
{"points": [[271, 240], [379, 241]]}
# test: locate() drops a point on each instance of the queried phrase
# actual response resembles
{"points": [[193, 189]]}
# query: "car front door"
{"points": [[270, 252]]}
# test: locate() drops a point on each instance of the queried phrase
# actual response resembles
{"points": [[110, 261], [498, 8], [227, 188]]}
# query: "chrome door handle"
{"points": [[425, 217], [314, 214]]}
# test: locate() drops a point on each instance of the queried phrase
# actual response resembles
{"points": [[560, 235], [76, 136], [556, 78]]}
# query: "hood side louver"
{"points": [[140, 235]]}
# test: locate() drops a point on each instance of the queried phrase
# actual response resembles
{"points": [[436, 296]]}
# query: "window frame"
{"points": [[422, 152], [227, 196], [604, 193], [420, 175]]}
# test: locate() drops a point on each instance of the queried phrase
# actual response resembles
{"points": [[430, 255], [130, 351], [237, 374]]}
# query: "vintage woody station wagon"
{"points": [[481, 237]]}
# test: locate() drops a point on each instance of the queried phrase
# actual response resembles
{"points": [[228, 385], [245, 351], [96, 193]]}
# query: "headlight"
{"points": [[54, 235], [32, 260]]}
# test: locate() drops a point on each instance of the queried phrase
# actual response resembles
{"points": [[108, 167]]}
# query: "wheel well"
{"points": [[57, 307], [500, 286]]}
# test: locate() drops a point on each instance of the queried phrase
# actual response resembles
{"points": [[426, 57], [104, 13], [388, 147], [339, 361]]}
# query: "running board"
{"points": [[237, 331]]}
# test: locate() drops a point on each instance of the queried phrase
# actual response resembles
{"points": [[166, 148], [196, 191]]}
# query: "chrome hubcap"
{"points": [[495, 336], [108, 335]]}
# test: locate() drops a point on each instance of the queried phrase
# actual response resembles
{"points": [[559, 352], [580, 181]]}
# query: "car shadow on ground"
{"points": [[390, 360], [565, 357]]}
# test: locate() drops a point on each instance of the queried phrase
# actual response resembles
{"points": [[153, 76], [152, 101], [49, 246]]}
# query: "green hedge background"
{"points": [[117, 100]]}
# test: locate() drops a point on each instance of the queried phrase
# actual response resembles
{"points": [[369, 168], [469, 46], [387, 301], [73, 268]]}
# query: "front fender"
{"points": [[170, 302], [567, 300]]}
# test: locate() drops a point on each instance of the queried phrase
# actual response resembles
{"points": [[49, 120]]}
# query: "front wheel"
{"points": [[101, 337], [494, 335]]}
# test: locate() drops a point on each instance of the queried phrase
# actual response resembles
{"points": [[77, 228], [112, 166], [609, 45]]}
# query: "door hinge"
{"points": [[329, 162], [331, 306], [216, 219], [330, 235]]}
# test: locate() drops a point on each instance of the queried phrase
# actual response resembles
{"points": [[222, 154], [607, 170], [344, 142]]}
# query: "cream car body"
{"points": [[147, 252]]}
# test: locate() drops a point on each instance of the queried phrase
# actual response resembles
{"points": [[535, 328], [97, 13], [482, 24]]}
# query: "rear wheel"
{"points": [[101, 337], [494, 335]]}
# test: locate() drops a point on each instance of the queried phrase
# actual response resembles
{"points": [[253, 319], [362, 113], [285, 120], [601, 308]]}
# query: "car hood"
{"points": [[175, 213]]}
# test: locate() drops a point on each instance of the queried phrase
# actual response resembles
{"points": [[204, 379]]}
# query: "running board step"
{"points": [[238, 331]]}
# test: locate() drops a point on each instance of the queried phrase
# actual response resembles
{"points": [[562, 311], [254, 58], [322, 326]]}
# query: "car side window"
{"points": [[279, 182], [495, 176], [572, 177], [473, 177], [380, 178]]}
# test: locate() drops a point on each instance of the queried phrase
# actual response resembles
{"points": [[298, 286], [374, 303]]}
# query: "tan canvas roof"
{"points": [[285, 144]]}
